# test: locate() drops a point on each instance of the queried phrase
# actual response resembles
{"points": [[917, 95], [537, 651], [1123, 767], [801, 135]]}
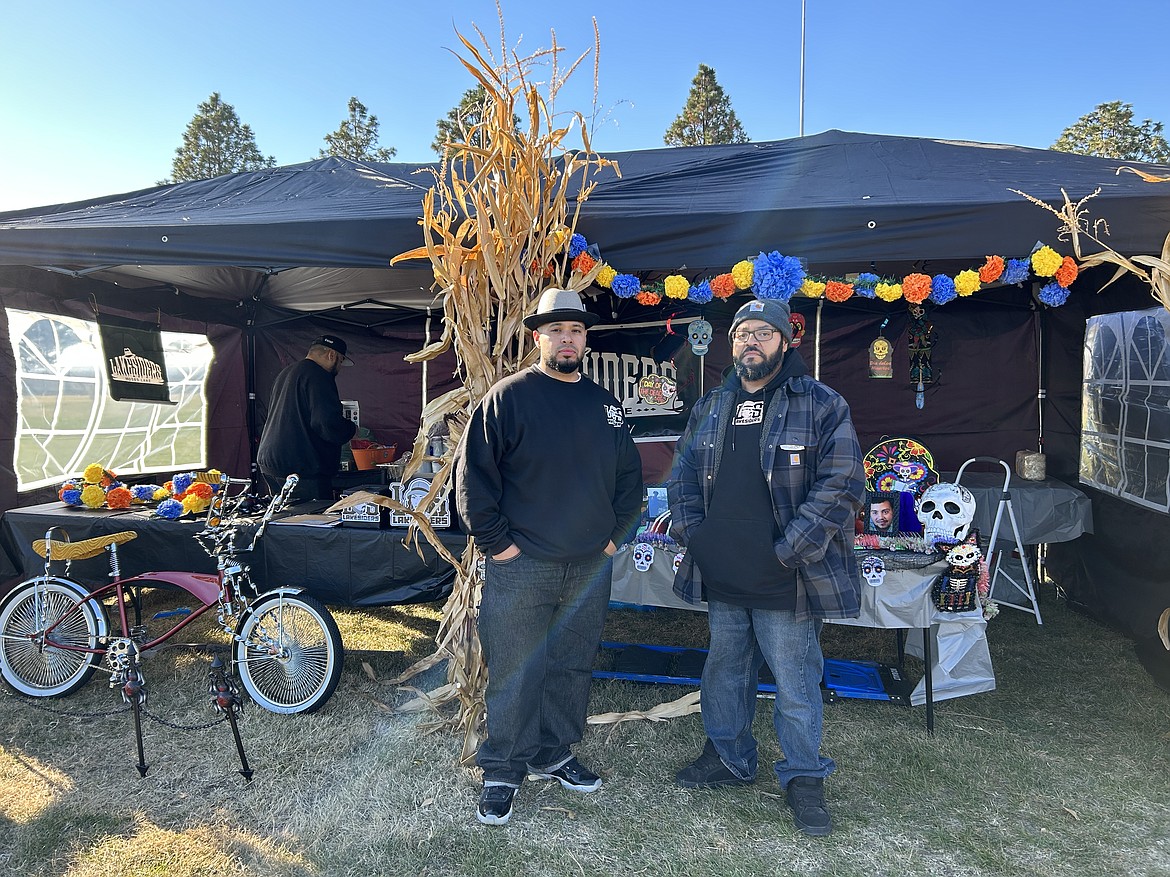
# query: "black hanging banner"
{"points": [[135, 365]]}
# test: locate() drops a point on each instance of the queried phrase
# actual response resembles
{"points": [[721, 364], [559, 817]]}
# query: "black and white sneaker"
{"points": [[572, 775], [495, 805]]}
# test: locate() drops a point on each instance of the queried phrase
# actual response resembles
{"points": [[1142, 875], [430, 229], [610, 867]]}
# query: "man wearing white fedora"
{"points": [[549, 482]]}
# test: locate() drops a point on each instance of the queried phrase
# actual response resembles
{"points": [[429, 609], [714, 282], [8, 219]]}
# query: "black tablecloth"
{"points": [[341, 566]]}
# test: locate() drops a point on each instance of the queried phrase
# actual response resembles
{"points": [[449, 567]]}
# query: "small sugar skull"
{"points": [[796, 321], [873, 569], [699, 334], [678, 559], [643, 556]]}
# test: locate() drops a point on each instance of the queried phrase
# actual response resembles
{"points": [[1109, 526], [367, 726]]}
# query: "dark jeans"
{"points": [[741, 641], [308, 488], [540, 623]]}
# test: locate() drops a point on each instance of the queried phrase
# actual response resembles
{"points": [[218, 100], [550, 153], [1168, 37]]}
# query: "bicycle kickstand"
{"points": [[134, 691], [225, 697]]}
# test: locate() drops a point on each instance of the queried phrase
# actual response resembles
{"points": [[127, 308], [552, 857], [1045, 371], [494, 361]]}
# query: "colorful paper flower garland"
{"points": [[772, 275], [98, 488]]}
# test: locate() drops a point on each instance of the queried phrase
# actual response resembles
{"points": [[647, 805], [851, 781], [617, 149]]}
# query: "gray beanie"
{"points": [[771, 310]]}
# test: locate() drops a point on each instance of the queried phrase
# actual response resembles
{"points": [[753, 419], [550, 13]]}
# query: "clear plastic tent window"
{"points": [[67, 420], [1125, 421]]}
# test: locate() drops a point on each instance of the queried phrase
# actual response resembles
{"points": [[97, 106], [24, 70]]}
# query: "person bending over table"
{"points": [[306, 428]]}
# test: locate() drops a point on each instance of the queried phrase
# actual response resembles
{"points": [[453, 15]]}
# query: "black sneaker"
{"points": [[572, 775], [806, 797], [708, 772], [495, 805]]}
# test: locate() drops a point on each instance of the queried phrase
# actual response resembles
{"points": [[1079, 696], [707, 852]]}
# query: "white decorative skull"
{"points": [[873, 568], [946, 511], [643, 556], [699, 334], [678, 559]]}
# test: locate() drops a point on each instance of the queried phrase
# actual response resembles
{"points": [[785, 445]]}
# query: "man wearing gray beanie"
{"points": [[766, 482]]}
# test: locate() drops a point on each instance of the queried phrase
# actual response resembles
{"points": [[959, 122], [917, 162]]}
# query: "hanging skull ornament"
{"points": [[946, 511], [797, 322], [643, 556], [873, 569], [699, 334], [678, 559]]}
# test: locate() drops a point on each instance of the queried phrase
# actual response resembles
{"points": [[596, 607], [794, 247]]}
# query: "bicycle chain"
{"points": [[35, 704]]}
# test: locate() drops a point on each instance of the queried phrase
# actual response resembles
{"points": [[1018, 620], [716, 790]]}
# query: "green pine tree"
{"points": [[215, 143], [462, 118], [357, 138], [1109, 131], [707, 117]]}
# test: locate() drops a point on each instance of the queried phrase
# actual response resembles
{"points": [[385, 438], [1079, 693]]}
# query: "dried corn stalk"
{"points": [[1076, 226], [496, 224]]}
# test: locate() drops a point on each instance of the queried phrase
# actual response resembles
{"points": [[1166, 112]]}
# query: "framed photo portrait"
{"points": [[881, 513]]}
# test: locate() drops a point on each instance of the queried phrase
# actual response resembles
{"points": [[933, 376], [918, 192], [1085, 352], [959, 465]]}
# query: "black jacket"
{"points": [[305, 428]]}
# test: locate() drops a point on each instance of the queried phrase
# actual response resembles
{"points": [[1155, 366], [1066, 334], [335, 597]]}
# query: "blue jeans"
{"points": [[540, 623], [741, 640]]}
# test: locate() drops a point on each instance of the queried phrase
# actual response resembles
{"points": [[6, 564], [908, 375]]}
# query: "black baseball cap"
{"points": [[336, 344]]}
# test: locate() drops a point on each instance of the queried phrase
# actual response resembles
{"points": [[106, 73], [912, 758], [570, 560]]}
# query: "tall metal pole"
{"points": [[802, 3]]}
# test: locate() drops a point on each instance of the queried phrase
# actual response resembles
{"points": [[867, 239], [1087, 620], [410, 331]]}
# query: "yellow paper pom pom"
{"points": [[160, 494], [194, 504], [812, 288], [605, 277], [742, 273], [677, 286], [967, 282], [1045, 261], [93, 496], [888, 291], [94, 473], [560, 236]]}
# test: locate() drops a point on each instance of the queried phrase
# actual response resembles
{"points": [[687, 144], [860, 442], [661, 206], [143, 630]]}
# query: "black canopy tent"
{"points": [[246, 253]]}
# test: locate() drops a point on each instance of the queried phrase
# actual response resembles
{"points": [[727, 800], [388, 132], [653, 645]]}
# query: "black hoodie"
{"points": [[735, 545]]}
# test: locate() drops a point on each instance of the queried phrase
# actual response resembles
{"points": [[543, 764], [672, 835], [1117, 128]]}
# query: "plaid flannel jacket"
{"points": [[814, 503]]}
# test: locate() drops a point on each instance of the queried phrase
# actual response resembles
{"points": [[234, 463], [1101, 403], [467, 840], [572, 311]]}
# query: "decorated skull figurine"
{"points": [[699, 334], [873, 568], [643, 556], [946, 511]]}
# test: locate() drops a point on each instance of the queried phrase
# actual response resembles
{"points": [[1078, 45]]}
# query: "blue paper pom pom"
{"points": [[169, 509], [700, 293], [182, 481], [1016, 271], [942, 289], [143, 492], [625, 285], [864, 284], [776, 276], [71, 496], [577, 245], [1053, 294]]}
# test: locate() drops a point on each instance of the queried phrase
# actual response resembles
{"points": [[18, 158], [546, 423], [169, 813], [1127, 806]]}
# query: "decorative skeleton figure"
{"points": [[643, 556], [699, 334], [946, 511], [873, 569], [678, 559]]}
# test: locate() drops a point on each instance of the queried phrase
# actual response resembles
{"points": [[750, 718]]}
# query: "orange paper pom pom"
{"points": [[119, 498], [584, 263], [991, 270], [1067, 272], [648, 298], [835, 290], [916, 288], [723, 286]]}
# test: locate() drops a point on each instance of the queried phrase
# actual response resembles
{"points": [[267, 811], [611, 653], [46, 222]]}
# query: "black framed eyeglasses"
{"points": [[762, 334]]}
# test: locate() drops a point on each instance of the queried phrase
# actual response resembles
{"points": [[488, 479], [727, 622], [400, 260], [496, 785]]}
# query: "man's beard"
{"points": [[760, 370], [564, 366]]}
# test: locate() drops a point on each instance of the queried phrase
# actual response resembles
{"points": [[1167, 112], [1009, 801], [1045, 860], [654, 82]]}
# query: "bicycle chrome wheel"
{"points": [[60, 664], [288, 653]]}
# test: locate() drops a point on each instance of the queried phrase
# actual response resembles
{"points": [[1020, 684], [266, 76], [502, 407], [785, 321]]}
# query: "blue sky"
{"points": [[94, 97]]}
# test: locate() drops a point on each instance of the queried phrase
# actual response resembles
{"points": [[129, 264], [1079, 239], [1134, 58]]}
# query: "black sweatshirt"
{"points": [[550, 467], [735, 545], [305, 428]]}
